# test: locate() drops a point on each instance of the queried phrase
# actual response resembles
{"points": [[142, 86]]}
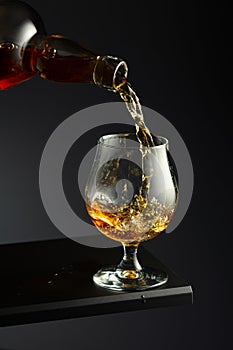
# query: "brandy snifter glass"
{"points": [[131, 196]]}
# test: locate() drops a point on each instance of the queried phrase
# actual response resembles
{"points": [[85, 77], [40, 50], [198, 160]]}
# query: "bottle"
{"points": [[27, 50]]}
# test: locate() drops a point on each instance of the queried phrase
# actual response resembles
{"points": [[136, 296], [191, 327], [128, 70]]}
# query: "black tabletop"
{"points": [[51, 280]]}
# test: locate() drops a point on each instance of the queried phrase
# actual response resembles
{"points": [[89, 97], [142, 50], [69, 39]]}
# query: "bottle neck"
{"points": [[110, 72]]}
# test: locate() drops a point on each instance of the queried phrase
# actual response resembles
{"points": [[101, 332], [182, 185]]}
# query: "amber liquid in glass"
{"points": [[128, 224]]}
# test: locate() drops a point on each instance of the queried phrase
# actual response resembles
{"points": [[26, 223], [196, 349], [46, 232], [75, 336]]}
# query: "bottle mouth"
{"points": [[110, 72]]}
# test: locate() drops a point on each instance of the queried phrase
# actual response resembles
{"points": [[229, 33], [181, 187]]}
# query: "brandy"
{"points": [[137, 222], [133, 105]]}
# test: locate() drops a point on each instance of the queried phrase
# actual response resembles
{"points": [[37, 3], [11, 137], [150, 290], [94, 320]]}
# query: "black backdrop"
{"points": [[180, 64]]}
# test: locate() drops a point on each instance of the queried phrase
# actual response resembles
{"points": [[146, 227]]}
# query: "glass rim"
{"points": [[103, 138]]}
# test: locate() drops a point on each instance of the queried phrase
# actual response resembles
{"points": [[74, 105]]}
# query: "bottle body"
{"points": [[19, 23], [12, 71]]}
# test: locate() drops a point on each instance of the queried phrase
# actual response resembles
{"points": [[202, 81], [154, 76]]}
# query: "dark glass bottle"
{"points": [[26, 50]]}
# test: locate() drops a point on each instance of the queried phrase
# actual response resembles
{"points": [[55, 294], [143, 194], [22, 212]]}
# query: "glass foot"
{"points": [[113, 278]]}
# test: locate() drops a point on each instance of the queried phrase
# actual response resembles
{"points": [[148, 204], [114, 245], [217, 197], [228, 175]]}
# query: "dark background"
{"points": [[179, 62]]}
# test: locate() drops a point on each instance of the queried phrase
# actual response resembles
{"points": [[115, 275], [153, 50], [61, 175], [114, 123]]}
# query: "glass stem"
{"points": [[130, 261]]}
